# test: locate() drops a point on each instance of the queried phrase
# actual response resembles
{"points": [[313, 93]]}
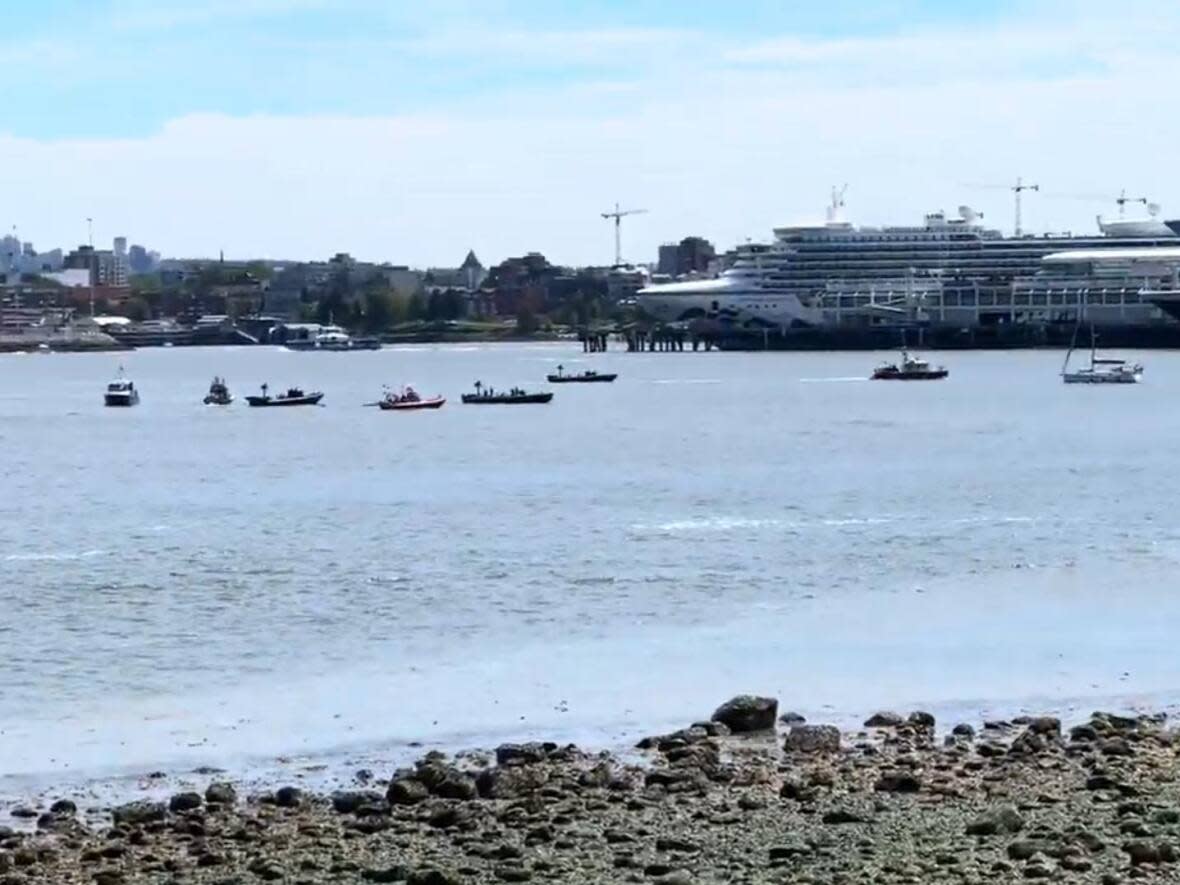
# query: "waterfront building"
{"points": [[692, 255]]}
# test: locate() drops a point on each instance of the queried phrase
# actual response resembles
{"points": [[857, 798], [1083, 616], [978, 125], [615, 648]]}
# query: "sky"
{"points": [[410, 132]]}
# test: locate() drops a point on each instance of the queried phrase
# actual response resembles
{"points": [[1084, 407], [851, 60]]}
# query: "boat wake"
{"points": [[838, 380], [51, 557]]}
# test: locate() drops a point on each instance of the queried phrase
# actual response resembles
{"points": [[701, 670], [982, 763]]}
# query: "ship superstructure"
{"points": [[948, 270]]}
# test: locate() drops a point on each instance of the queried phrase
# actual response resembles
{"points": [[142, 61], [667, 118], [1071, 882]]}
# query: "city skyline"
{"points": [[295, 129]]}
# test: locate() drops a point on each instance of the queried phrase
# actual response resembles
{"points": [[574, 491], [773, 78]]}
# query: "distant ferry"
{"points": [[947, 270], [312, 336]]}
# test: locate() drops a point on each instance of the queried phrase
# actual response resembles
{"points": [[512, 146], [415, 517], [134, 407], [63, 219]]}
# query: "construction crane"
{"points": [[618, 215], [1017, 189]]}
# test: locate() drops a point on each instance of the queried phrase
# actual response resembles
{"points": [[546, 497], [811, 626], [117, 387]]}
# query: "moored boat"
{"points": [[1100, 371], [512, 396], [587, 377], [910, 369], [293, 397], [218, 394], [408, 400], [121, 392]]}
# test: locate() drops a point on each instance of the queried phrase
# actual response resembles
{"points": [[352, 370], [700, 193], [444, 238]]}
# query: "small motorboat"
{"points": [[408, 400], [512, 396], [218, 394], [293, 397], [911, 369], [587, 377], [121, 392]]}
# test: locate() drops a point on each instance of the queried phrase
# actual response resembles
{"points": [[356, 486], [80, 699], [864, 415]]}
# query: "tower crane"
{"points": [[618, 216]]}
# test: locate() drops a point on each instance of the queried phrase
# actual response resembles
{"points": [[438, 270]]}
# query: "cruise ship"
{"points": [[949, 271]]}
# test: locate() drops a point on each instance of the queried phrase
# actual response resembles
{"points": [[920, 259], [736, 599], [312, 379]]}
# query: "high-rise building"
{"points": [[690, 255], [669, 259]]}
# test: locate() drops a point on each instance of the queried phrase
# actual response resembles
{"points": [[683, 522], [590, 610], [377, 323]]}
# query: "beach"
{"points": [[764, 798]]}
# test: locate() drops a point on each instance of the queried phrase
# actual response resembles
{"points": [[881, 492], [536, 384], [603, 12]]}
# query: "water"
{"points": [[187, 585]]}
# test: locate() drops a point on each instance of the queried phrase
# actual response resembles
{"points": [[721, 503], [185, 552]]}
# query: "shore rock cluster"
{"points": [[746, 797]]}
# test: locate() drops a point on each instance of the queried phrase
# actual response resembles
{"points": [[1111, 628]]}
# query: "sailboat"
{"points": [[1100, 371]]}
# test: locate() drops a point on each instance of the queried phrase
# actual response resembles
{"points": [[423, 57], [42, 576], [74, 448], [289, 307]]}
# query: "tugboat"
{"points": [[293, 397], [121, 392], [408, 401], [587, 377], [218, 394], [911, 369], [513, 396], [1100, 371]]}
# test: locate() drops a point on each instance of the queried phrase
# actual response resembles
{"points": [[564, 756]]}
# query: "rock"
{"points": [[786, 852], [446, 816], [23, 811], [109, 877], [1143, 851], [921, 720], [799, 790], [885, 719], [963, 730], [523, 754], [1101, 782], [598, 777], [1083, 734], [792, 718], [676, 877], [747, 713], [1038, 870], [385, 874], [1045, 725], [430, 876], [813, 739], [898, 782], [512, 873], [221, 794], [143, 811], [992, 823], [1116, 746], [511, 782], [288, 797], [184, 802], [351, 801], [407, 791], [842, 816], [670, 843], [63, 808], [1024, 849]]}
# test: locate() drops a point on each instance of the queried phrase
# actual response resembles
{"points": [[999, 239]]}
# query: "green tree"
{"points": [[379, 310], [526, 321], [136, 309]]}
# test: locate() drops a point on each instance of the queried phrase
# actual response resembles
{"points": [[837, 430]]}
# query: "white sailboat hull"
{"points": [[1090, 376]]}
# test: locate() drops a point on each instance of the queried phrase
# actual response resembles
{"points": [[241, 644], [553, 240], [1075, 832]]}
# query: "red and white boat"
{"points": [[408, 400]]}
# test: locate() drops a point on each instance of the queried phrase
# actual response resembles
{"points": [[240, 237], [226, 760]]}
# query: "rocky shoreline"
{"points": [[747, 796]]}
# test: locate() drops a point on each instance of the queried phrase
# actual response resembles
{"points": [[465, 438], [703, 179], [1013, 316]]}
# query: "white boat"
{"points": [[311, 336], [121, 392], [1100, 371]]}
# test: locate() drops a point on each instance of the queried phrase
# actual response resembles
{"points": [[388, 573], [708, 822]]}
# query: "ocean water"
{"points": [[188, 585]]}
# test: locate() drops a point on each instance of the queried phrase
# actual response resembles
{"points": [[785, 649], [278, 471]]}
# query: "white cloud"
{"points": [[726, 143]]}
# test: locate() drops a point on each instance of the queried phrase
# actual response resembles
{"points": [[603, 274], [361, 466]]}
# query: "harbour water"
{"points": [[189, 585]]}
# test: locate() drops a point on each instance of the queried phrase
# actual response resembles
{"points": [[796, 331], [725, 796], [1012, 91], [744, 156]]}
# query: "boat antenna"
{"points": [[1123, 200], [1017, 189]]}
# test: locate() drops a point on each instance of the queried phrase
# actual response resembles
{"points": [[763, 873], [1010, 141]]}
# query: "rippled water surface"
{"points": [[184, 583]]}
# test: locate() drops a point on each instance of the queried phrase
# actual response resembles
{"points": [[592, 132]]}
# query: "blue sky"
{"points": [[125, 67], [412, 131]]}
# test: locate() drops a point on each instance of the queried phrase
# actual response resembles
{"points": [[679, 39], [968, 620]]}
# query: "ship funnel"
{"points": [[968, 214]]}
